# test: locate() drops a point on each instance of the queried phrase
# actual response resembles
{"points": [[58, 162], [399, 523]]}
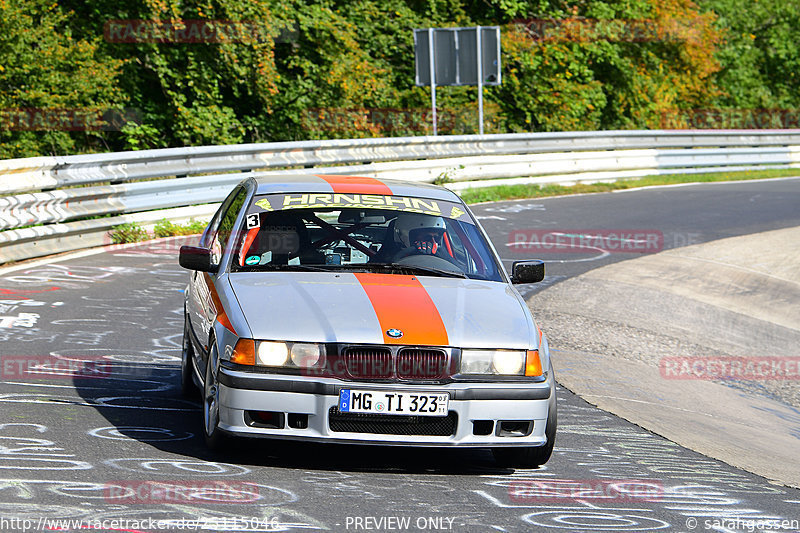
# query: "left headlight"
{"points": [[269, 353], [278, 354], [501, 362]]}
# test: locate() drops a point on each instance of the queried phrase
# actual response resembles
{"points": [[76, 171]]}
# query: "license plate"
{"points": [[393, 403]]}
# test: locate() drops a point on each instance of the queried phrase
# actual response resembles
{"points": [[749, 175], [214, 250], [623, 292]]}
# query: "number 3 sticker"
{"points": [[252, 221]]}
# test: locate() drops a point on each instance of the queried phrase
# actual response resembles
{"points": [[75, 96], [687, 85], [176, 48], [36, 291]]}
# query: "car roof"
{"points": [[326, 183]]}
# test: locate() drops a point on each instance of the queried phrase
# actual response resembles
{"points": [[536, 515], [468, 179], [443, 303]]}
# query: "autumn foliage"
{"points": [[198, 72]]}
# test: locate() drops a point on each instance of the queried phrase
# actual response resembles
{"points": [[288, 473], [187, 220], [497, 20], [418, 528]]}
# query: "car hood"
{"points": [[362, 308]]}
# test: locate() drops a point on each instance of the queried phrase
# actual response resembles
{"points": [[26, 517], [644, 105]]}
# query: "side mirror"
{"points": [[196, 258], [531, 271]]}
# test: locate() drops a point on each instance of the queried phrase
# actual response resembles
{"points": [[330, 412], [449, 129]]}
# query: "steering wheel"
{"points": [[408, 257]]}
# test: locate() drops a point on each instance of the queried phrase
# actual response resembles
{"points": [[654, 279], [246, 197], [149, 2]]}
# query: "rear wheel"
{"points": [[215, 438], [530, 457]]}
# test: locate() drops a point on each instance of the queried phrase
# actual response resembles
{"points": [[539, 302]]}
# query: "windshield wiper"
{"points": [[416, 268], [358, 266], [290, 268]]}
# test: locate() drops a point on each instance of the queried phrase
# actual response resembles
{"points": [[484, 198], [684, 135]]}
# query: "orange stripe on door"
{"points": [[356, 185], [222, 316], [401, 302]]}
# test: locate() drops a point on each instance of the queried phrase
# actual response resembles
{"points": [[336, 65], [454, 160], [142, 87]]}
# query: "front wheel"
{"points": [[215, 438], [188, 387]]}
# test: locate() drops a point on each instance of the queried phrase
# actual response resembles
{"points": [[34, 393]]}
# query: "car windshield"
{"points": [[391, 234]]}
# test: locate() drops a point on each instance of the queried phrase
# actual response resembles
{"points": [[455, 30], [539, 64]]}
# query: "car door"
{"points": [[201, 301]]}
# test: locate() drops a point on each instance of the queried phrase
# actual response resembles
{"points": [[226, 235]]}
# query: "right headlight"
{"points": [[278, 354], [304, 355], [501, 362]]}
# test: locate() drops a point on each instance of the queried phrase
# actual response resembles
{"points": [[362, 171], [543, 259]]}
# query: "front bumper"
{"points": [[489, 404]]}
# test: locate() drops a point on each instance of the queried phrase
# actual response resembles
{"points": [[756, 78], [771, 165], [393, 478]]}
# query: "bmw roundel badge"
{"points": [[394, 333]]}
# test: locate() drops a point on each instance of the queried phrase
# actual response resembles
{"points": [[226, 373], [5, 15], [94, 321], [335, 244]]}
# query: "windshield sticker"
{"points": [[253, 221], [425, 206], [253, 260], [456, 212], [264, 204]]}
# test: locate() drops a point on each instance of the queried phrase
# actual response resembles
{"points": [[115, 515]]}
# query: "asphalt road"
{"points": [[121, 450], [683, 215]]}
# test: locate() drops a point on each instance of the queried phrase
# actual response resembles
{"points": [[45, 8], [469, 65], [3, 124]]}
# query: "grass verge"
{"points": [[514, 192], [133, 232]]}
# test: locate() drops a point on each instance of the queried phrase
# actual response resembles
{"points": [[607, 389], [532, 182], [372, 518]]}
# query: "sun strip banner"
{"points": [[427, 206]]}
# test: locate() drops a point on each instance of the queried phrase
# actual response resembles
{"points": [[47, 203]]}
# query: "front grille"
{"points": [[369, 363], [439, 426], [418, 363]]}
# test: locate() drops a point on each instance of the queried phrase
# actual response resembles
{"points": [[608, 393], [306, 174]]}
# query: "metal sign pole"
{"points": [[433, 77], [480, 80]]}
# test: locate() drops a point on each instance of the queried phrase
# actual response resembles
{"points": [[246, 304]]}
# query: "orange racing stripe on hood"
{"points": [[356, 185], [401, 302]]}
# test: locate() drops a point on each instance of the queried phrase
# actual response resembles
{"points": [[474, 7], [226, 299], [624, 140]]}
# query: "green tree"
{"points": [[606, 65], [761, 53], [52, 83], [319, 69]]}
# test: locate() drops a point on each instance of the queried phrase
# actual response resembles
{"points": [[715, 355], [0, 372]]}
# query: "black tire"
{"points": [[215, 439], [534, 456], [188, 386]]}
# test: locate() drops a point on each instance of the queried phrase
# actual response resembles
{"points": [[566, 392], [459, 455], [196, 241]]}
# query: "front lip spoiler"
{"points": [[330, 387]]}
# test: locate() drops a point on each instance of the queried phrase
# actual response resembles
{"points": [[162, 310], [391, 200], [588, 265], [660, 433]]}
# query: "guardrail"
{"points": [[46, 197]]}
